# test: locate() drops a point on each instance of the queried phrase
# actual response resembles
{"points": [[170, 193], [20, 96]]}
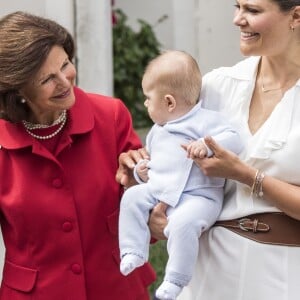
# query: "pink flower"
{"points": [[113, 15]]}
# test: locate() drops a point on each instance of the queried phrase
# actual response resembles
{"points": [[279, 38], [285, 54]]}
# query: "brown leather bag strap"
{"points": [[270, 228]]}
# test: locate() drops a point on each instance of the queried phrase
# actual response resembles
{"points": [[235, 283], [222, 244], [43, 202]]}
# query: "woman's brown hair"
{"points": [[26, 41], [286, 5]]}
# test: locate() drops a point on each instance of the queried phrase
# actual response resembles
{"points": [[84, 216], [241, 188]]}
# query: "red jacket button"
{"points": [[57, 183], [67, 226], [76, 268]]}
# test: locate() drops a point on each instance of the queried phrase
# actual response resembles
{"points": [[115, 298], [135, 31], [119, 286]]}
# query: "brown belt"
{"points": [[270, 228]]}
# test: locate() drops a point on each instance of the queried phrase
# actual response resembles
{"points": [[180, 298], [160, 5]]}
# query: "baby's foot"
{"points": [[130, 262], [168, 291]]}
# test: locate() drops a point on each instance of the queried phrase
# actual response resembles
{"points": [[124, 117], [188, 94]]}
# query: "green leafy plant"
{"points": [[132, 50], [158, 258]]}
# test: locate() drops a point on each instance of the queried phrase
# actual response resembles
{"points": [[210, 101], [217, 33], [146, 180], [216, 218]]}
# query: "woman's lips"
{"points": [[63, 95], [248, 35]]}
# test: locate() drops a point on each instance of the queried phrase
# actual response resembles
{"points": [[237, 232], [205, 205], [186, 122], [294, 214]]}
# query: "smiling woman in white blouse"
{"points": [[254, 251]]}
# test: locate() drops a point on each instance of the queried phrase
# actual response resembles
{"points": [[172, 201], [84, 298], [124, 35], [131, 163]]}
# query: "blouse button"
{"points": [[76, 268]]}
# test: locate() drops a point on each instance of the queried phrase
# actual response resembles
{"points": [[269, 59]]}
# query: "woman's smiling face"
{"points": [[265, 29], [51, 89]]}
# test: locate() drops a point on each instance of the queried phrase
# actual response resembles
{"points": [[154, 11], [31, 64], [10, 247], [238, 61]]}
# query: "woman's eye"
{"points": [[65, 65], [249, 9], [252, 10], [46, 80]]}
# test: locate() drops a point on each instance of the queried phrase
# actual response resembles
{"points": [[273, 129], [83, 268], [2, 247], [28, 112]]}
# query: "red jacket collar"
{"points": [[80, 120]]}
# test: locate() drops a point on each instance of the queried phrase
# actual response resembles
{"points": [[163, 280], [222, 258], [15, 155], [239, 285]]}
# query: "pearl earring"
{"points": [[23, 101], [292, 27]]}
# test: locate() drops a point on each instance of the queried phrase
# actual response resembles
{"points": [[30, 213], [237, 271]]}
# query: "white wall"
{"points": [[94, 46], [217, 37], [34, 6], [59, 10], [184, 26]]}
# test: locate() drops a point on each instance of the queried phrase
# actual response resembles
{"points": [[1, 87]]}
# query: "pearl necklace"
{"points": [[30, 126]]}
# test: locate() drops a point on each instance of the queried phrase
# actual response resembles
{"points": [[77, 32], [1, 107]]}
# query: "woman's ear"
{"points": [[296, 16], [170, 101]]}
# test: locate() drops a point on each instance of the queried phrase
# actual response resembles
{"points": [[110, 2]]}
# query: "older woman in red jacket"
{"points": [[59, 200]]}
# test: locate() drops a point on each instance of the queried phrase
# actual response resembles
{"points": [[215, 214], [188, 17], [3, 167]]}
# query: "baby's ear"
{"points": [[170, 101]]}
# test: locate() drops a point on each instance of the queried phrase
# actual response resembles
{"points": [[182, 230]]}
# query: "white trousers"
{"points": [[232, 267], [186, 222]]}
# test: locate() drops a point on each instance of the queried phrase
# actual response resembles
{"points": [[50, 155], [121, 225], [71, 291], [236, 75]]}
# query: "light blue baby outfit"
{"points": [[194, 200]]}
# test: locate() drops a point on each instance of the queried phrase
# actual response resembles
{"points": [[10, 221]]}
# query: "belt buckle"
{"points": [[253, 225], [241, 224]]}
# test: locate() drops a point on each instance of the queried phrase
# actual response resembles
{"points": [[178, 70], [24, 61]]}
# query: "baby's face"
{"points": [[155, 102]]}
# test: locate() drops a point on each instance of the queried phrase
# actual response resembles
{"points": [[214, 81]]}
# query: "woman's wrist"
{"points": [[247, 175], [253, 178]]}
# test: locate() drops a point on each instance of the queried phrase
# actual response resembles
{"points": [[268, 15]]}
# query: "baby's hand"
{"points": [[196, 149], [142, 170]]}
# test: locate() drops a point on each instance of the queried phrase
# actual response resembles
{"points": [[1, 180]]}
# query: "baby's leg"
{"points": [[130, 262], [168, 291], [134, 235], [186, 223]]}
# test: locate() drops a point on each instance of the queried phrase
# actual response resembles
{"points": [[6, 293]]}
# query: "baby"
{"points": [[171, 85]]}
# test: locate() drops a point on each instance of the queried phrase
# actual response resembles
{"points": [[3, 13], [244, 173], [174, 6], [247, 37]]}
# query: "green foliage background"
{"points": [[158, 258], [132, 50]]}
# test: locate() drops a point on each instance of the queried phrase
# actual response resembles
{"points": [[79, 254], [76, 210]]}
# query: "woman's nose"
{"points": [[63, 79], [239, 19]]}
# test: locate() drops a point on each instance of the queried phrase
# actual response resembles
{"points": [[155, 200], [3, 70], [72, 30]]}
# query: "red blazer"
{"points": [[59, 213]]}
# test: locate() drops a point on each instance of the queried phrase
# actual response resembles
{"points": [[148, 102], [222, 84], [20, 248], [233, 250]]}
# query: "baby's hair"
{"points": [[177, 73]]}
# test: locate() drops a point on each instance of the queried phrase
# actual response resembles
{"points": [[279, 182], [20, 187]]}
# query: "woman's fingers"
{"points": [[127, 161], [143, 154], [212, 145], [122, 175], [158, 221], [161, 208]]}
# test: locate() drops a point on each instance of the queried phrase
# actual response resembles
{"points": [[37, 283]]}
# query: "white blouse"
{"points": [[274, 148]]}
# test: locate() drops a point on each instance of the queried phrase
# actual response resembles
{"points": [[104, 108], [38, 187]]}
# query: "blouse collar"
{"points": [[273, 134]]}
